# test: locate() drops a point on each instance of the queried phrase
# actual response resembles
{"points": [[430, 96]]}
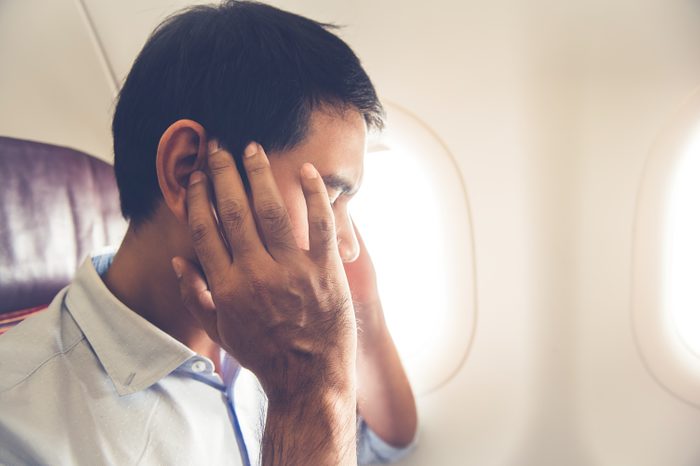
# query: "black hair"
{"points": [[246, 72]]}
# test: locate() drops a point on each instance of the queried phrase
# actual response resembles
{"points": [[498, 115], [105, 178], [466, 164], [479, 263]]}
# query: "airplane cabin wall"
{"points": [[53, 84], [550, 110]]}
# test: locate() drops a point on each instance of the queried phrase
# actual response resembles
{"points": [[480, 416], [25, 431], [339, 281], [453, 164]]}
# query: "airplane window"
{"points": [[666, 257], [682, 275], [413, 216]]}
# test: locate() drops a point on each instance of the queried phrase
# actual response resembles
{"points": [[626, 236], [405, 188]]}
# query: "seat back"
{"points": [[56, 205]]}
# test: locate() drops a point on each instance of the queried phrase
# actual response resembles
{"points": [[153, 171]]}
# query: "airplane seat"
{"points": [[56, 205]]}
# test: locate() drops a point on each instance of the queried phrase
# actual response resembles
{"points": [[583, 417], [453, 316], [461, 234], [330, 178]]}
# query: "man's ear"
{"points": [[182, 149]]}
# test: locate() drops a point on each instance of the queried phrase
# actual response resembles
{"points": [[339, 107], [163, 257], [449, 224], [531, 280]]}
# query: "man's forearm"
{"points": [[317, 427], [385, 398]]}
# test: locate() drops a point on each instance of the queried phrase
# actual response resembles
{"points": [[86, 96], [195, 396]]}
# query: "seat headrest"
{"points": [[56, 205]]}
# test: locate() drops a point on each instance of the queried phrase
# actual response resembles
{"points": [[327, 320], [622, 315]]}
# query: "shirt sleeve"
{"points": [[371, 449]]}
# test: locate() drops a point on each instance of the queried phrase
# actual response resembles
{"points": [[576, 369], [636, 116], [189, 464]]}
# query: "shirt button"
{"points": [[199, 366]]}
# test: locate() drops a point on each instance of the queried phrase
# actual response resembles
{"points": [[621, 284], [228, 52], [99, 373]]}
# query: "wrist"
{"points": [[313, 427], [327, 377], [327, 402]]}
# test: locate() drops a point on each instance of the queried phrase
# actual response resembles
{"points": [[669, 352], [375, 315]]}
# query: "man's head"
{"points": [[238, 72]]}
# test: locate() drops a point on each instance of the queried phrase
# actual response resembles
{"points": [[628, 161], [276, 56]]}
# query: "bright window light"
{"points": [[412, 213], [402, 219], [682, 277], [666, 256]]}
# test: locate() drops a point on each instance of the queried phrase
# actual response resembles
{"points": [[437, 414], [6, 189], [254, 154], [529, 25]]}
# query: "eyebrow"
{"points": [[341, 184]]}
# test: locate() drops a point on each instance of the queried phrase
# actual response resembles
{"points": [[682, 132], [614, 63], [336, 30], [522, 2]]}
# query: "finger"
{"points": [[207, 241], [357, 233], [232, 205], [196, 296], [360, 241], [269, 206], [322, 235]]}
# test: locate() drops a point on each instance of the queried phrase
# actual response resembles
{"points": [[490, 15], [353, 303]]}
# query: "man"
{"points": [[239, 136]]}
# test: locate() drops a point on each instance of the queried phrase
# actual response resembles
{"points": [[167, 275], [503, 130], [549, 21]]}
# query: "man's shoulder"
{"points": [[36, 342]]}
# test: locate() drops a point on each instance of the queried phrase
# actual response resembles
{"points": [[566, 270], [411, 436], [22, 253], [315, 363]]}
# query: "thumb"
{"points": [[195, 295]]}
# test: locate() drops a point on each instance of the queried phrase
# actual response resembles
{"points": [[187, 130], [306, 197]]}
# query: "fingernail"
{"points": [[177, 267], [213, 146], [196, 177], [308, 171], [250, 150]]}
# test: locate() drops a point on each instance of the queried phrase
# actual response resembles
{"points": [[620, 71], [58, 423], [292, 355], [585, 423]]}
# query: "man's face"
{"points": [[335, 145]]}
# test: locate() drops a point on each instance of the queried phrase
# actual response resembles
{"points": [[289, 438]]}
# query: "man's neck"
{"points": [[141, 277]]}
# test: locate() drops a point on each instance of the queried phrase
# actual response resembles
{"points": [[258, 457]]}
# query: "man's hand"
{"points": [[362, 280], [284, 313], [385, 398]]}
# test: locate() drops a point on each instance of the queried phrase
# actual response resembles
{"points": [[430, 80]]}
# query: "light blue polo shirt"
{"points": [[90, 382]]}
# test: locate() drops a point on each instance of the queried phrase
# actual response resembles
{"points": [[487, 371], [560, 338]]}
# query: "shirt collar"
{"points": [[134, 353]]}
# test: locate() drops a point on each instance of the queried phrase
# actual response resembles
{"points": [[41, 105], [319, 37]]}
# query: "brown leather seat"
{"points": [[56, 205]]}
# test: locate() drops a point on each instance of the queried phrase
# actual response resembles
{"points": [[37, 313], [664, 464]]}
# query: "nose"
{"points": [[348, 246]]}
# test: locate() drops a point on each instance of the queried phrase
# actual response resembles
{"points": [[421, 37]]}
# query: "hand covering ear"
{"points": [[195, 294]]}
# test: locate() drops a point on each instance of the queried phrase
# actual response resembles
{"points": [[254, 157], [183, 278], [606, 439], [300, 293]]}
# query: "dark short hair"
{"points": [[246, 72]]}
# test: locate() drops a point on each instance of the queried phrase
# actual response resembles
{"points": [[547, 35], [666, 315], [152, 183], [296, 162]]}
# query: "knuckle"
{"points": [[322, 223], [250, 264], [279, 227], [232, 213], [257, 167], [220, 163], [199, 231], [319, 191], [271, 210]]}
